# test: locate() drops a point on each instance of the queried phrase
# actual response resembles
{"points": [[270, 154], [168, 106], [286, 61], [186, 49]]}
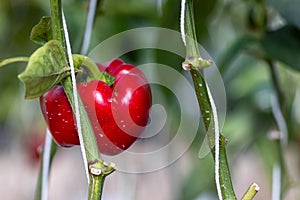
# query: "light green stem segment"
{"points": [[192, 50], [191, 38], [251, 192], [13, 60]]}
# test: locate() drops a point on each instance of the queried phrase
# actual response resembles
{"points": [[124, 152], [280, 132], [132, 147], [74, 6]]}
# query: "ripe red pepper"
{"points": [[118, 113]]}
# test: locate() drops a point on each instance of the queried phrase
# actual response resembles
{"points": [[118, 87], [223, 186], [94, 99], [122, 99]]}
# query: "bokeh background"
{"points": [[225, 28]]}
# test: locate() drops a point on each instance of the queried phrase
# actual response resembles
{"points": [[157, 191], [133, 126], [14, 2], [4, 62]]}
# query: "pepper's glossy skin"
{"points": [[118, 114]]}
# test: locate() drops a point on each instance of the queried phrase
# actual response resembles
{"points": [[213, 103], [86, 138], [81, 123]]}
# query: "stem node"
{"points": [[195, 62]]}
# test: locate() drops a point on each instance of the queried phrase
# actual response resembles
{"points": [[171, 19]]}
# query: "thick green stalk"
{"points": [[58, 34], [204, 103], [97, 169], [98, 182], [196, 63], [56, 23], [206, 111]]}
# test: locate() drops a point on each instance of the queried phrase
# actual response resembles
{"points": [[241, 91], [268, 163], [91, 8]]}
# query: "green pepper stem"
{"points": [[88, 143]]}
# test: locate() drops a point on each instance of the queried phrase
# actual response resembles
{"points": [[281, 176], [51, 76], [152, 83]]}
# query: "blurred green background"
{"points": [[241, 36]]}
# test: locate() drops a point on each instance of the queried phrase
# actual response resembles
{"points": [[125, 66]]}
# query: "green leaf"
{"points": [[47, 66], [283, 45], [42, 32]]}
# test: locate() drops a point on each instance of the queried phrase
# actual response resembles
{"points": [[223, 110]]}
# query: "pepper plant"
{"points": [[64, 99], [50, 75]]}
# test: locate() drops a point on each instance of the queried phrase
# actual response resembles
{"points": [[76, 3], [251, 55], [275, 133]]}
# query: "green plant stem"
{"points": [[94, 160], [57, 24], [225, 177], [192, 51], [13, 60], [206, 111], [191, 38], [251, 192], [196, 63], [204, 103], [97, 169], [98, 182]]}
